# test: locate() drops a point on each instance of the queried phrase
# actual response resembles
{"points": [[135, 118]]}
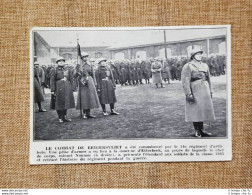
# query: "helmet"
{"points": [[60, 59], [101, 60], [84, 54], [194, 51], [92, 60]]}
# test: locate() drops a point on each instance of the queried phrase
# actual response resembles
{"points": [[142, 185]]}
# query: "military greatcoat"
{"points": [[38, 95], [156, 68], [106, 85], [196, 81], [61, 83], [87, 95]]}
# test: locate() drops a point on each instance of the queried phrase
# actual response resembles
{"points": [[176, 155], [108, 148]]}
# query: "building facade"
{"points": [[210, 45]]}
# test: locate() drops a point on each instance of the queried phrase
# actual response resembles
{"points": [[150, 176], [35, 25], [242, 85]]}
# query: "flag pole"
{"points": [[78, 65]]}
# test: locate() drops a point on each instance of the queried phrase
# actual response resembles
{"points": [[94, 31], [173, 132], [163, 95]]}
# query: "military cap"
{"points": [[36, 63]]}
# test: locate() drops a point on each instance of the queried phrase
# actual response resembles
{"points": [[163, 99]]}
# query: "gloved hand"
{"points": [[190, 99]]}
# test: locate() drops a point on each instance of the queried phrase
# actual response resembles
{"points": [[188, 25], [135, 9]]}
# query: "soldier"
{"points": [[130, 70], [197, 88], [123, 73], [139, 72], [45, 75], [115, 72], [156, 68], [179, 69], [48, 70], [223, 60], [166, 72], [173, 69], [147, 71], [61, 87], [41, 75], [106, 87], [87, 95], [38, 94]]}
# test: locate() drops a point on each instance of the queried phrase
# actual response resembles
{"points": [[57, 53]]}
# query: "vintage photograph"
{"points": [[129, 83]]}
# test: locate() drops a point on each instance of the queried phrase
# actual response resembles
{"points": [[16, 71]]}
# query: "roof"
{"points": [[115, 39]]}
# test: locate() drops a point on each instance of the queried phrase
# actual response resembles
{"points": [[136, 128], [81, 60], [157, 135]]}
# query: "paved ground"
{"points": [[145, 112]]}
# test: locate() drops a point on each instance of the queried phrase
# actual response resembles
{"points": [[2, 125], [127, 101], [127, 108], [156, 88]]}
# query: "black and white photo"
{"points": [[164, 92]]}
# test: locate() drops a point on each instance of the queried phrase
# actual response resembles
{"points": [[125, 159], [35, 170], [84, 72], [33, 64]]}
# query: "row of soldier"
{"points": [[95, 87], [133, 72]]}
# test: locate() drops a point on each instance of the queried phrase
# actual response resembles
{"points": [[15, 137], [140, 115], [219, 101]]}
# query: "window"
{"points": [[119, 56], [141, 55], [98, 55], [161, 52], [67, 56]]}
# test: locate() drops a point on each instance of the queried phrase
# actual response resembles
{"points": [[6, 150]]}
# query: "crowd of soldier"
{"points": [[133, 72]]}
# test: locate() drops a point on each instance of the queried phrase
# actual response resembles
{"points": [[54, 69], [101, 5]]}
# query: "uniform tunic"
{"points": [[87, 95], [196, 81], [156, 68], [139, 71], [123, 72], [146, 70], [106, 84], [61, 83], [38, 95]]}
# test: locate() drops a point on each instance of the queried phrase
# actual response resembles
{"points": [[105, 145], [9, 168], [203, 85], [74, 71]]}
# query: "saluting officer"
{"points": [[61, 87], [106, 87]]}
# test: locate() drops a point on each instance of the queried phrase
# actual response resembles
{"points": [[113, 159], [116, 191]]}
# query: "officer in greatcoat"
{"points": [[156, 68], [197, 88], [61, 82], [38, 94], [87, 95], [106, 87]]}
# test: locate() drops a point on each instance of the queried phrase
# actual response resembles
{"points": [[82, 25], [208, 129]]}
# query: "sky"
{"points": [[123, 38]]}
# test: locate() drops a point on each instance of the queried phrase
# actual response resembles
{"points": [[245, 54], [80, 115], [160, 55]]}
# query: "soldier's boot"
{"points": [[162, 85], [197, 130], [64, 116], [61, 115], [112, 108], [104, 112], [157, 85], [204, 132], [40, 107], [84, 116], [67, 119], [89, 115], [113, 112]]}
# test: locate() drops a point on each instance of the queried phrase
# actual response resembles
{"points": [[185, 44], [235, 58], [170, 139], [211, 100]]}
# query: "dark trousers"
{"points": [[198, 126], [62, 113], [112, 106], [86, 111]]}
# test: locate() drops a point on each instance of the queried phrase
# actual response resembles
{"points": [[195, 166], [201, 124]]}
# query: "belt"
{"points": [[63, 79], [195, 79], [106, 79]]}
